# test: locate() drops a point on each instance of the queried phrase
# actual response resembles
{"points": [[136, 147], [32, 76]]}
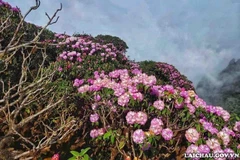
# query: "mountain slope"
{"points": [[224, 90]]}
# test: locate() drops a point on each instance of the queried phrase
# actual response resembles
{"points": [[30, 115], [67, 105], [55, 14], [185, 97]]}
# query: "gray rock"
{"points": [[224, 90]]}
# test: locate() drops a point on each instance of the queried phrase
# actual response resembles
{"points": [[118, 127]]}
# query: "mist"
{"points": [[198, 37]]}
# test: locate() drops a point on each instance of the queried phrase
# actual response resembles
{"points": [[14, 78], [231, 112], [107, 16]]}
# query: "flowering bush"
{"points": [[137, 115], [166, 74], [170, 112]]}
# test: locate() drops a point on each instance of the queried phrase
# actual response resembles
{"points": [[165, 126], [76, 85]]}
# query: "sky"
{"points": [[198, 37]]}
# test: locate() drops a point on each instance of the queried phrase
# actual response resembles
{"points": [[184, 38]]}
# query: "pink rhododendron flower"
{"points": [[156, 121], [60, 69], [192, 135], [191, 108], [78, 82], [225, 115], [169, 88], [136, 71], [119, 91], [137, 96], [237, 126], [96, 75], [184, 93], [159, 104], [208, 126], [55, 157], [131, 117], [141, 118], [132, 89], [187, 100], [224, 136], [192, 149], [123, 99], [64, 57], [97, 97], [228, 131], [83, 89], [94, 106], [203, 149], [150, 81], [94, 133], [101, 131], [191, 93], [213, 143], [167, 134], [90, 81], [138, 136], [178, 105], [79, 59], [94, 117], [156, 126]]}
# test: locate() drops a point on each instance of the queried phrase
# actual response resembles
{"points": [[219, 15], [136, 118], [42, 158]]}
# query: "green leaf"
{"points": [[86, 157], [121, 144], [84, 151], [27, 110], [188, 115], [135, 125], [107, 135], [198, 127], [164, 111], [152, 108], [112, 139], [72, 158], [238, 118], [180, 100], [200, 141], [145, 89], [75, 153]]}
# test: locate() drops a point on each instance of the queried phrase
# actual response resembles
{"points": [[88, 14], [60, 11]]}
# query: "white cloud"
{"points": [[197, 37]]}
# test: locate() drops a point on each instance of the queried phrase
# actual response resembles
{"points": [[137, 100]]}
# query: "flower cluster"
{"points": [[219, 111], [192, 135], [55, 157], [156, 126], [136, 117], [224, 137], [208, 126], [121, 83], [167, 134], [159, 104], [138, 136], [216, 110], [78, 82], [83, 46], [94, 117], [97, 132], [237, 126]]}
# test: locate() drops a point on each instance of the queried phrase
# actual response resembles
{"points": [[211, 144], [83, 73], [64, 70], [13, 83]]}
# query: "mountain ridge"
{"points": [[223, 90]]}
